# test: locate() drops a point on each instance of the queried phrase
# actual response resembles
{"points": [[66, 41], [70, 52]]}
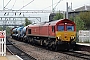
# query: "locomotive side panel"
{"points": [[33, 30], [44, 31], [52, 31]]}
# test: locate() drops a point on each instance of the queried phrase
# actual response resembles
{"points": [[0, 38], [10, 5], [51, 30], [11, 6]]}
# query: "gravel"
{"points": [[43, 54]]}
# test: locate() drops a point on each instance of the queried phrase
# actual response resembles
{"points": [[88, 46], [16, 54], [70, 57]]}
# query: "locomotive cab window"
{"points": [[70, 28], [29, 31], [60, 28], [53, 28]]}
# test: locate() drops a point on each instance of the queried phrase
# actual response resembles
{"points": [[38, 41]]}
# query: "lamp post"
{"points": [[5, 18], [3, 4], [66, 10], [52, 5]]}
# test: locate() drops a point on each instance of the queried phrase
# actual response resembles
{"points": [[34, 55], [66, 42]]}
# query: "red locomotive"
{"points": [[58, 34]]}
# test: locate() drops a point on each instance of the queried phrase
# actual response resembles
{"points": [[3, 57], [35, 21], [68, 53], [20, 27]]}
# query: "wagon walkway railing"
{"points": [[2, 43]]}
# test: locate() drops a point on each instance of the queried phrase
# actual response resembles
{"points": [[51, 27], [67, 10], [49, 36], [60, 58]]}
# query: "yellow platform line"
{"points": [[3, 58]]}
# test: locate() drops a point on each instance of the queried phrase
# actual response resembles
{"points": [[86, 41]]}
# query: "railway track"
{"points": [[59, 55], [16, 51], [83, 47], [77, 54]]}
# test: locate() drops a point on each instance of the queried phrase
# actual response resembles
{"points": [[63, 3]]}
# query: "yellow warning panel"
{"points": [[3, 58]]}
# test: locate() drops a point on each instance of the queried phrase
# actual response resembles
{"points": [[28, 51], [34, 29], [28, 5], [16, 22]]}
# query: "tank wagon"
{"points": [[23, 36], [58, 34], [16, 32]]}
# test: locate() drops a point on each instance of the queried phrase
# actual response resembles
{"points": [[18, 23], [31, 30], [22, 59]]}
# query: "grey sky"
{"points": [[43, 4]]}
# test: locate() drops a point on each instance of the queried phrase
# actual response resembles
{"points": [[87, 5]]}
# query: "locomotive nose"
{"points": [[65, 36], [69, 36]]}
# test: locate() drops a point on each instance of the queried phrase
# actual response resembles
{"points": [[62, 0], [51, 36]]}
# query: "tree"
{"points": [[27, 22], [85, 16], [79, 23], [58, 16], [7, 30], [1, 28], [72, 18]]}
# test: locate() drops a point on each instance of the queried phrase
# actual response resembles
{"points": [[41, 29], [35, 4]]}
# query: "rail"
{"points": [[16, 51], [83, 47]]}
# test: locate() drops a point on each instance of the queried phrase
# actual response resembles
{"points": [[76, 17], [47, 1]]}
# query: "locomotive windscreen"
{"points": [[70, 28], [60, 28]]}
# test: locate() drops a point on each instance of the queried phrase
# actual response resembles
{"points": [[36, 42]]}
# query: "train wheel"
{"points": [[41, 42], [47, 46], [28, 41], [51, 47], [24, 40], [55, 47]]}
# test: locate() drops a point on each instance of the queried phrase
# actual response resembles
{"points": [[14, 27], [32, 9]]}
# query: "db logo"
{"points": [[2, 34]]}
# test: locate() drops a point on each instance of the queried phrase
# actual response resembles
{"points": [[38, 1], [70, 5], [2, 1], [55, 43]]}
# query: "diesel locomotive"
{"points": [[58, 34]]}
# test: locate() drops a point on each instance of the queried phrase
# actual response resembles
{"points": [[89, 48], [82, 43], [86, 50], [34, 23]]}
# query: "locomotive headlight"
{"points": [[72, 37], [58, 38]]}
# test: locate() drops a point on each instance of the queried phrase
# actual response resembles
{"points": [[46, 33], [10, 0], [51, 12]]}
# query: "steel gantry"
{"points": [[14, 21], [26, 11]]}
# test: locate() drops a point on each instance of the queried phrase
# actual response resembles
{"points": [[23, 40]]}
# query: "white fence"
{"points": [[2, 43], [84, 35]]}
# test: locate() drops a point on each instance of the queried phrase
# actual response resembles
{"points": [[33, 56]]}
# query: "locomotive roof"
{"points": [[61, 21], [52, 22]]}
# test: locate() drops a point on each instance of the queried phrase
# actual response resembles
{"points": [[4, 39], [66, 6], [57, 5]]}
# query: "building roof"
{"points": [[83, 8]]}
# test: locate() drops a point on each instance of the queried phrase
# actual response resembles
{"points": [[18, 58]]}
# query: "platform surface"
{"points": [[86, 44], [10, 57]]}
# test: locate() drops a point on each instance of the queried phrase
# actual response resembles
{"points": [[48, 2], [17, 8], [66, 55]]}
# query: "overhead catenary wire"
{"points": [[7, 3], [23, 5], [57, 3], [26, 5], [13, 4], [51, 5]]}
